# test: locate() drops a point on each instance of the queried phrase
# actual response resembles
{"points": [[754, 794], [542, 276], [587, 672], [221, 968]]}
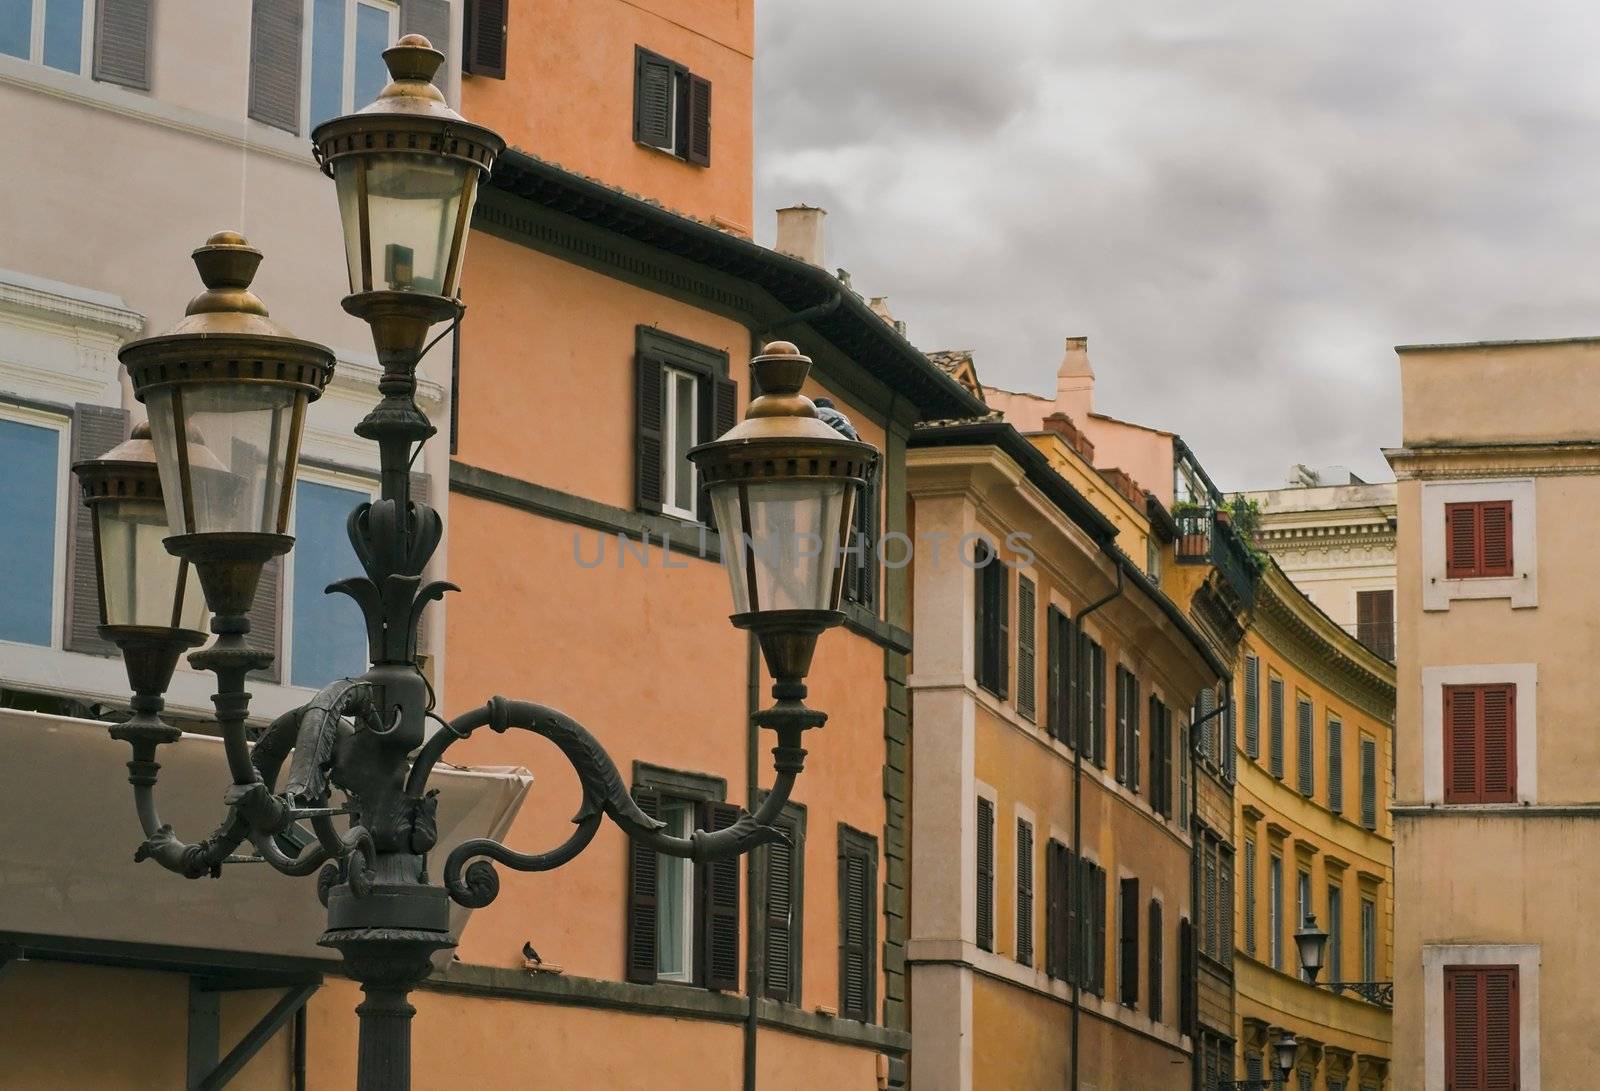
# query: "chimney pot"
{"points": [[800, 233]]}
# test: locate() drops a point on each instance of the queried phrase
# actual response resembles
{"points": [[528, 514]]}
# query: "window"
{"points": [[1154, 986], [483, 37], [1369, 782], [1230, 735], [1057, 927], [1075, 919], [861, 570], [992, 595], [1127, 728], [1478, 540], [1058, 674], [32, 452], [1160, 757], [1094, 727], [1128, 942], [1027, 671], [1208, 853], [1225, 910], [1480, 743], [1305, 751], [1335, 764], [346, 69], [1252, 706], [1302, 907], [1275, 725], [328, 637], [1480, 1028], [1185, 759], [1024, 892], [683, 397], [683, 918], [781, 873], [1204, 724], [858, 915], [1275, 911], [1253, 1067], [47, 32], [1369, 940], [671, 108], [1375, 621], [1335, 925], [1250, 897], [985, 862]]}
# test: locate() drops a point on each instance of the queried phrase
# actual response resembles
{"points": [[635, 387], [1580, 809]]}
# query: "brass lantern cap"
{"points": [[409, 115], [126, 472], [226, 334]]}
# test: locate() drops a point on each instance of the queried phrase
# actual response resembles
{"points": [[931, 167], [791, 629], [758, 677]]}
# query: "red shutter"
{"points": [[1481, 1044], [1480, 743], [1500, 1029], [1463, 1029], [1497, 710], [1494, 523], [1461, 750], [1461, 541]]}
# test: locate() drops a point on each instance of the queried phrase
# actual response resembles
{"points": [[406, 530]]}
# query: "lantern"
{"points": [[1313, 944]]}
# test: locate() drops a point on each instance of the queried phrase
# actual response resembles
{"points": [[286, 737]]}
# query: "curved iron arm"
{"points": [[603, 793]]}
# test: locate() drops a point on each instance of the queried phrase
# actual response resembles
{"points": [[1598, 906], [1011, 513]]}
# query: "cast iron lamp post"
{"points": [[1283, 1057], [227, 391], [1312, 943]]}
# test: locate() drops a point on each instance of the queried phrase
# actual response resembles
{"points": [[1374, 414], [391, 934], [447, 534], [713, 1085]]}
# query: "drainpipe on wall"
{"points": [[755, 964], [1084, 710]]}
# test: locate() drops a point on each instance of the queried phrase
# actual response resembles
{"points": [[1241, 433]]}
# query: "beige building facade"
{"points": [[1494, 817]]}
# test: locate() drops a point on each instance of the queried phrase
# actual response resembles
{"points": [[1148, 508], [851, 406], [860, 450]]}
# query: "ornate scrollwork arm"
{"points": [[604, 793]]}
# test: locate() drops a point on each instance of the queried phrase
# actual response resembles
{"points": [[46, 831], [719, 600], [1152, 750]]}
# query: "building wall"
{"points": [[1485, 882]]}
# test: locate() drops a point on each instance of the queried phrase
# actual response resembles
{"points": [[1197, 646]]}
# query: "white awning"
{"points": [[68, 832]]}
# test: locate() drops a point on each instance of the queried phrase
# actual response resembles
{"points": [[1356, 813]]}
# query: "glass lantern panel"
{"points": [[138, 577], [790, 556], [412, 206], [236, 450]]}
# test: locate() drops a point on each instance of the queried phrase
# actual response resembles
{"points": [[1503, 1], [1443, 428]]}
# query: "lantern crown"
{"points": [[412, 63]]}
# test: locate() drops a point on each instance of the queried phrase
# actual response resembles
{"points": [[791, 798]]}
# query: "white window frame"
{"points": [[1525, 957], [686, 975], [61, 424], [671, 465], [338, 479], [36, 39], [347, 89], [1526, 678], [1522, 587]]}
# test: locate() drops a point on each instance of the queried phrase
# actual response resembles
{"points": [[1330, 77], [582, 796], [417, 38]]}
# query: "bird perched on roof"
{"points": [[832, 416]]}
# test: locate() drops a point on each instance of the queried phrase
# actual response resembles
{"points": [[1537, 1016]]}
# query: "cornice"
{"points": [[1288, 621], [1574, 458], [74, 310]]}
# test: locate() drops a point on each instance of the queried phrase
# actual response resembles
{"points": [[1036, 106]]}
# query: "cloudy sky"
{"points": [[1244, 206]]}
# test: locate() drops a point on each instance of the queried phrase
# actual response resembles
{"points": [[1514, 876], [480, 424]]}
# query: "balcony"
{"points": [[1205, 539]]}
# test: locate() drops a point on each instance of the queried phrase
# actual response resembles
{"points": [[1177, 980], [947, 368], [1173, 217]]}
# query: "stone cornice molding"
{"points": [[1437, 463], [1309, 638], [68, 306]]}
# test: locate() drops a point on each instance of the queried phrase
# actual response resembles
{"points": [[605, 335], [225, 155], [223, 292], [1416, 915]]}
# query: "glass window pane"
{"points": [[674, 900], [329, 635], [63, 34], [30, 454], [327, 60], [372, 38], [16, 27]]}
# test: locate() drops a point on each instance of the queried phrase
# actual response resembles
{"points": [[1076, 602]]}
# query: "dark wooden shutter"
{"points": [[1128, 943], [858, 870], [264, 634], [981, 636], [431, 19], [1158, 789], [1208, 856], [122, 43], [653, 92], [782, 889], [861, 583], [1494, 535], [1052, 669], [1024, 893], [95, 430], [1055, 929], [649, 469], [1499, 743], [1369, 783], [1482, 1051], [276, 32], [1225, 906], [1188, 974], [421, 486], [1027, 628], [698, 150], [1502, 1063], [1097, 931], [643, 868], [484, 38], [1002, 614], [1335, 766], [1121, 767], [1097, 667], [1135, 752], [1375, 621], [1304, 746], [717, 411], [1463, 749], [985, 937], [1156, 968], [1252, 706], [718, 904], [1461, 541], [1275, 712]]}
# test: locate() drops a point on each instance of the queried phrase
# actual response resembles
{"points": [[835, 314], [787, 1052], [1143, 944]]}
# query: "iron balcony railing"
{"points": [[1380, 993], [1202, 539]]}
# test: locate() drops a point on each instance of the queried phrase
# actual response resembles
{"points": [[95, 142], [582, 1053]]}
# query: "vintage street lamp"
{"points": [[1313, 944], [227, 392], [1284, 1051]]}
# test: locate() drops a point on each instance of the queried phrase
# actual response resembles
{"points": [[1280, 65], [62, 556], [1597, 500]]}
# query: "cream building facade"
{"points": [[1498, 468]]}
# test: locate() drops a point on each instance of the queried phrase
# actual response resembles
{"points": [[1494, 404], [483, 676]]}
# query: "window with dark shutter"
{"points": [[1057, 637], [1097, 704], [1097, 931], [985, 862], [1208, 853], [861, 578], [697, 139], [1335, 765], [1073, 896], [718, 904], [1225, 905], [1482, 1051], [1024, 892], [1369, 782], [1135, 743], [1056, 928], [1027, 672], [1121, 764], [858, 911], [1128, 942], [1155, 985], [782, 876], [95, 430], [1250, 897], [1275, 725], [1375, 621], [1478, 540], [1160, 757], [276, 32], [1480, 744], [1230, 736], [649, 470], [122, 43], [1187, 976], [992, 596], [659, 355], [642, 906], [671, 108], [484, 38], [1305, 754], [1205, 724], [1252, 707]]}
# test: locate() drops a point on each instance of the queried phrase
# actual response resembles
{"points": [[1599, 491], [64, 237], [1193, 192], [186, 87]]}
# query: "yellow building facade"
{"points": [[1316, 712]]}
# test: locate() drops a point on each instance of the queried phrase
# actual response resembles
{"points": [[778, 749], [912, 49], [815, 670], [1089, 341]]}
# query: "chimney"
{"points": [[800, 233], [879, 305], [1075, 380]]}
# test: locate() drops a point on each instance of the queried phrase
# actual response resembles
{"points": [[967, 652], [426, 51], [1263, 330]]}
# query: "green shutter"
{"points": [[484, 38], [654, 88], [649, 456], [718, 904], [858, 884], [643, 869], [698, 144], [985, 862], [1027, 627]]}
